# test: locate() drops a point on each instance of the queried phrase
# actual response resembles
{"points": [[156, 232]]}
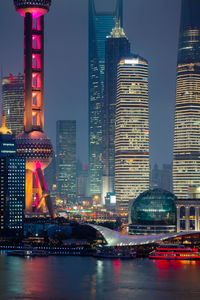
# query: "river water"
{"points": [[77, 278]]}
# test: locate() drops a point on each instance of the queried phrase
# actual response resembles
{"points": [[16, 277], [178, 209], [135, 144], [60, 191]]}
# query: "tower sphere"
{"points": [[36, 147], [36, 7]]}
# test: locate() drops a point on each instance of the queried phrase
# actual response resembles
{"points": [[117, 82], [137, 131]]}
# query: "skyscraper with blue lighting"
{"points": [[100, 26]]}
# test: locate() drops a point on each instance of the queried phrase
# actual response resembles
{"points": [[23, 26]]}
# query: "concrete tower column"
{"points": [[33, 144], [196, 218], [187, 218], [28, 71], [178, 219]]}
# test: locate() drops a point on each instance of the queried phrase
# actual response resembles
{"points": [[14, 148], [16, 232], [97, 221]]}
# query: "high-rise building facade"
{"points": [[161, 177], [66, 160], [117, 47], [186, 163], [13, 102], [12, 185], [132, 131], [82, 181], [100, 26]]}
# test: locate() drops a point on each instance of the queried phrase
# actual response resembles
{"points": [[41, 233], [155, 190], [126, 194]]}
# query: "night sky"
{"points": [[152, 27]]}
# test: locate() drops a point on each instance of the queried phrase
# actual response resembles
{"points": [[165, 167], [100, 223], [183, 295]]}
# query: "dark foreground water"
{"points": [[87, 278]]}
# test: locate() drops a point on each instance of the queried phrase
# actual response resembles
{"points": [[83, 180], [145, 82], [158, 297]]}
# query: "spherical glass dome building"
{"points": [[153, 212]]}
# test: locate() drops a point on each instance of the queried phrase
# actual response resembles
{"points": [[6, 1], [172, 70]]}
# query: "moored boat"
{"points": [[28, 253], [115, 252], [175, 252]]}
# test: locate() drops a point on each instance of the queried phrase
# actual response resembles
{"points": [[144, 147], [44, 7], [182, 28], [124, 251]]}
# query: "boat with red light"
{"points": [[175, 252]]}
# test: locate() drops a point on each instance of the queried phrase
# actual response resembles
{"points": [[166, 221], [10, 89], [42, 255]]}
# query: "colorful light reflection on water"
{"points": [[77, 278]]}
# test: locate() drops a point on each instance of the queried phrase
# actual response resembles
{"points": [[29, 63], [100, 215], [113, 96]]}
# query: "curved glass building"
{"points": [[153, 211]]}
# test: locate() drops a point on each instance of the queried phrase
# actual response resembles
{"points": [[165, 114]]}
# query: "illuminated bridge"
{"points": [[114, 238]]}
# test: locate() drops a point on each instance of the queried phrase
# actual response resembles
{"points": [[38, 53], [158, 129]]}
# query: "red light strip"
{"points": [[175, 257], [175, 249], [176, 252]]}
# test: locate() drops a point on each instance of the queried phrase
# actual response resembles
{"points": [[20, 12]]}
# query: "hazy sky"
{"points": [[152, 27]]}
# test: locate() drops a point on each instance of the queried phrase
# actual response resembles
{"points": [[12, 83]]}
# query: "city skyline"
{"points": [[141, 37], [103, 224]]}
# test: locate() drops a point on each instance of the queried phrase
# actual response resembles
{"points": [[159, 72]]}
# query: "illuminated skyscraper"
{"points": [[186, 163], [13, 102], [82, 181], [132, 131], [100, 26], [12, 185], [117, 47], [66, 160], [33, 144]]}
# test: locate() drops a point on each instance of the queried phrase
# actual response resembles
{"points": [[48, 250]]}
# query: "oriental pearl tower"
{"points": [[33, 144]]}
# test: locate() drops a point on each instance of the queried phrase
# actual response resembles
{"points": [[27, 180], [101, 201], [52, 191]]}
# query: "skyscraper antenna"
{"points": [[91, 5], [1, 104], [119, 11], [1, 71]]}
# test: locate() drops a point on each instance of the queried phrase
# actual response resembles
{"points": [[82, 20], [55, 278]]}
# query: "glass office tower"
{"points": [[100, 26], [117, 47], [132, 131], [186, 163], [66, 160], [13, 102]]}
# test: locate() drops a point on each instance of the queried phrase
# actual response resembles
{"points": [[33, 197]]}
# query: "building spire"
{"points": [[117, 31], [91, 6], [189, 37], [190, 15], [119, 11]]}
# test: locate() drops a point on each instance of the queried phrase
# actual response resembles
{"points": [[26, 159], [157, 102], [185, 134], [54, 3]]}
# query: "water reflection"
{"points": [[79, 278], [99, 269], [117, 270], [93, 287]]}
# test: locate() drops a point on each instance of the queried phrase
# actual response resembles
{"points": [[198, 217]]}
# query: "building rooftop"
{"points": [[32, 3], [117, 31], [114, 238]]}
